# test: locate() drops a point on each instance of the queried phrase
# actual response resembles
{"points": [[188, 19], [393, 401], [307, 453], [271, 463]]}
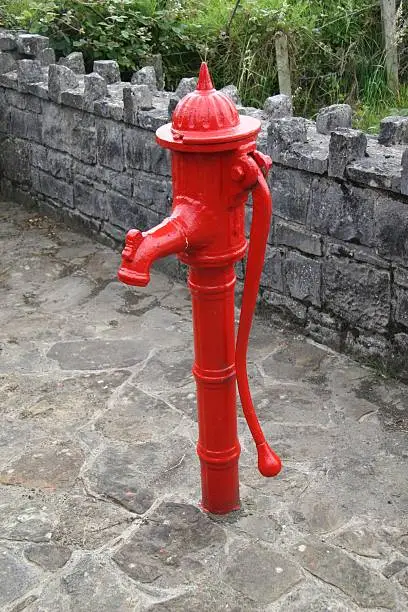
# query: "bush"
{"points": [[124, 30], [336, 48]]}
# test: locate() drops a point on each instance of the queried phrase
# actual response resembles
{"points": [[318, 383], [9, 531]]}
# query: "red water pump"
{"points": [[215, 165]]}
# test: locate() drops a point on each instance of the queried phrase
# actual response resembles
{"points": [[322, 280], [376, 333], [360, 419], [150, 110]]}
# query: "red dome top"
{"points": [[206, 117], [205, 109]]}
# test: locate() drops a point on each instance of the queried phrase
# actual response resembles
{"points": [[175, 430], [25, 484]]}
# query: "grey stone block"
{"points": [[404, 172], [58, 124], [279, 106], [15, 160], [345, 146], [32, 44], [377, 170], [145, 76], [29, 71], [25, 125], [60, 78], [110, 144], [272, 278], [173, 101], [38, 89], [95, 88], [7, 41], [135, 97], [89, 199], [125, 213], [186, 86], [9, 79], [285, 305], [393, 131], [356, 253], [56, 128], [401, 277], [84, 139], [333, 117], [323, 328], [296, 236], [290, 193], [118, 181], [152, 119], [232, 92], [108, 69], [53, 162], [357, 293], [302, 277], [7, 62], [52, 187], [156, 61], [74, 98], [46, 56], [391, 228], [142, 152], [109, 109], [74, 61], [283, 133], [152, 191], [16, 98], [343, 211], [33, 104]]}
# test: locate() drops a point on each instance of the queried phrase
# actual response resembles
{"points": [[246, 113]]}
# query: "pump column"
{"points": [[218, 448]]}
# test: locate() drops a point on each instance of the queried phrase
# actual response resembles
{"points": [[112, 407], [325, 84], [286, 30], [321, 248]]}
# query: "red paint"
{"points": [[214, 167]]}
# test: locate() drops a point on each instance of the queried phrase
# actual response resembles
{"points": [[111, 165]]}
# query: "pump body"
{"points": [[214, 167]]}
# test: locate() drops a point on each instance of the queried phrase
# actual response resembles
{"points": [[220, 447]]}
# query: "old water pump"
{"points": [[215, 165]]}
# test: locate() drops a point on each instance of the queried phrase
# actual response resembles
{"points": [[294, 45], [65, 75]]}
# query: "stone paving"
{"points": [[99, 480]]}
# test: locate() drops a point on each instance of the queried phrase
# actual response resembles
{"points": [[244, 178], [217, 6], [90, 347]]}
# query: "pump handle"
{"points": [[269, 464]]}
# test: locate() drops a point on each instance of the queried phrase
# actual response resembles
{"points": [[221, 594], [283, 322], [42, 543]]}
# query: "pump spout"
{"points": [[143, 248], [190, 226]]}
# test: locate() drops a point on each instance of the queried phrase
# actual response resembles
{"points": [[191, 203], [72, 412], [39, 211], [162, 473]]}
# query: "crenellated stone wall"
{"points": [[82, 148]]}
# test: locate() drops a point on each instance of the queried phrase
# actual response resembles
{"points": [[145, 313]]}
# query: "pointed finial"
{"points": [[204, 79]]}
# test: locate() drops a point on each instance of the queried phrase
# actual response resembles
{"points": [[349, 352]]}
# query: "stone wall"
{"points": [[82, 147]]}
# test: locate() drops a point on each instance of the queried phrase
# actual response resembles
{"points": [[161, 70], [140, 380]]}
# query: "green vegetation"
{"points": [[336, 48]]}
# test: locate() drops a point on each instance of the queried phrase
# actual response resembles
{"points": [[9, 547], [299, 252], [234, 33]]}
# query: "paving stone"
{"points": [[216, 596], [48, 556], [318, 516], [403, 580], [16, 577], [52, 466], [295, 359], [139, 417], [360, 541], [261, 573], [131, 431], [23, 522], [312, 597], [96, 354], [394, 567], [94, 584], [366, 587], [171, 547], [88, 523], [130, 474]]}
